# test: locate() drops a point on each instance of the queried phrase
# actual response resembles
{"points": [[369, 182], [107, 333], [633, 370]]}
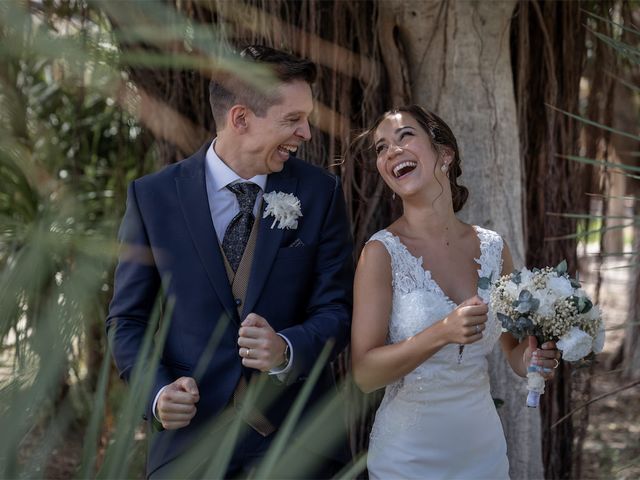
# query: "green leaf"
{"points": [[516, 278], [595, 124], [561, 269]]}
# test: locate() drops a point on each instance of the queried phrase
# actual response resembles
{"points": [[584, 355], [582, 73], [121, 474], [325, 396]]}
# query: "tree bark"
{"points": [[459, 65]]}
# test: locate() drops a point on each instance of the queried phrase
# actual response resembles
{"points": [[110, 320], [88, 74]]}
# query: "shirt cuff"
{"points": [[280, 372], [155, 401]]}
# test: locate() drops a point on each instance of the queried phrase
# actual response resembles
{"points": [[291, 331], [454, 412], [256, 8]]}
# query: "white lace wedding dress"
{"points": [[439, 421]]}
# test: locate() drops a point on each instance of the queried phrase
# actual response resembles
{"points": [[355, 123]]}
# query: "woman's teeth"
{"points": [[403, 168]]}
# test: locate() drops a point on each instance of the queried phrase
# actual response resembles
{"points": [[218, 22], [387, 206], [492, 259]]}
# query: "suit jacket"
{"points": [[304, 290]]}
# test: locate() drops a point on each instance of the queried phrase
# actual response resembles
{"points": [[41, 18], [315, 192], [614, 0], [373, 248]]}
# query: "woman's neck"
{"points": [[432, 220]]}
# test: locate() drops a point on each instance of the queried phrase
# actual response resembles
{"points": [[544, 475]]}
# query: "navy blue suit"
{"points": [[301, 281]]}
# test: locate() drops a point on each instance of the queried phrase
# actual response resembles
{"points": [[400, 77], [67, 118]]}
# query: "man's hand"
{"points": [[177, 403], [260, 346]]}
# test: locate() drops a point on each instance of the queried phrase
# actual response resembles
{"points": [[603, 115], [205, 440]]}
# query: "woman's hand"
{"points": [[465, 324], [547, 357]]}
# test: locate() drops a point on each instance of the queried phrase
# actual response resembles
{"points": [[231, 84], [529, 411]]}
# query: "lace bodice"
{"points": [[418, 302]]}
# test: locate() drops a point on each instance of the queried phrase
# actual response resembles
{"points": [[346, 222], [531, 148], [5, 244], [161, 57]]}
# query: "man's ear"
{"points": [[237, 118]]}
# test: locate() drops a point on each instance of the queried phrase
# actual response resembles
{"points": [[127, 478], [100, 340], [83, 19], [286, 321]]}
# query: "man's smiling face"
{"points": [[282, 129]]}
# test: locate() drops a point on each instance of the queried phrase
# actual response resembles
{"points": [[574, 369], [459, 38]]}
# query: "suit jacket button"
{"points": [[238, 302]]}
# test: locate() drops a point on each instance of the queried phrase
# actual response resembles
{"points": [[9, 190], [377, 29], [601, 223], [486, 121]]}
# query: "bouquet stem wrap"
{"points": [[535, 386]]}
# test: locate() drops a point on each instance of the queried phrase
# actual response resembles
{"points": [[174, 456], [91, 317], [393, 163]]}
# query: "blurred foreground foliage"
{"points": [[70, 142]]}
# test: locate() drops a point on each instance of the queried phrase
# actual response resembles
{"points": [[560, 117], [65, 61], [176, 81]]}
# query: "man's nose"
{"points": [[304, 131]]}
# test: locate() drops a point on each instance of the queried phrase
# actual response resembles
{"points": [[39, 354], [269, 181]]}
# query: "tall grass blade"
{"points": [[595, 124], [92, 436], [266, 467], [117, 457]]}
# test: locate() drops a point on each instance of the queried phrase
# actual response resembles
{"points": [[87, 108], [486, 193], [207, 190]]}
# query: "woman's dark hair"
{"points": [[442, 139]]}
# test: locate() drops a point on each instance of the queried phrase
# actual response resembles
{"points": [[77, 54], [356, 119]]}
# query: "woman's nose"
{"points": [[394, 150]]}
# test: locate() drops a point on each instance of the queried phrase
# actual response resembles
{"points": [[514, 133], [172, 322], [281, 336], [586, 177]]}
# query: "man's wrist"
{"points": [[287, 354], [154, 406]]}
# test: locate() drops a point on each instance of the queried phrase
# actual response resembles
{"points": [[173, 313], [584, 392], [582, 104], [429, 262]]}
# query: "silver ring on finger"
{"points": [[248, 353], [478, 329]]}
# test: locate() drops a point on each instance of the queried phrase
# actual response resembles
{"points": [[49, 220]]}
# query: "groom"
{"points": [[271, 292]]}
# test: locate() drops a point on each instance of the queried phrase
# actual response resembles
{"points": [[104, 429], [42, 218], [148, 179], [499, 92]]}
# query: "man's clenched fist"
{"points": [[177, 403]]}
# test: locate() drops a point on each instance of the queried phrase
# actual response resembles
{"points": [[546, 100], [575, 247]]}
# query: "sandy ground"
{"points": [[612, 445]]}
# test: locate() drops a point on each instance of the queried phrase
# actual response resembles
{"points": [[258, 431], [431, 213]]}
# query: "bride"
{"points": [[421, 325]]}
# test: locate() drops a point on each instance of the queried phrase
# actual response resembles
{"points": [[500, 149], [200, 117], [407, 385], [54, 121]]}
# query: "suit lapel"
{"points": [[192, 194], [268, 242]]}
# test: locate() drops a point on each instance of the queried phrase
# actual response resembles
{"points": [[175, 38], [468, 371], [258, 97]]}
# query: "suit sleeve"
{"points": [[136, 287], [329, 306]]}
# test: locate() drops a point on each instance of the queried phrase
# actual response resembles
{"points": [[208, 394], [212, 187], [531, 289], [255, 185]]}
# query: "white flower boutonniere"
{"points": [[285, 208]]}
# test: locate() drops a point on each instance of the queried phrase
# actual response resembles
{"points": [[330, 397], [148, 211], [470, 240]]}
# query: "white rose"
{"points": [[546, 307], [560, 286], [526, 275], [512, 290], [575, 344]]}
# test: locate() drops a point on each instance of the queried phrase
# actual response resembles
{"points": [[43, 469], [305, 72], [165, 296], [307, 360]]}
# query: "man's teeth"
{"points": [[400, 167], [288, 148]]}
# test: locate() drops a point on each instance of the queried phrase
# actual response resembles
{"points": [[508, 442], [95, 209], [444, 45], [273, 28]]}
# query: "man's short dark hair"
{"points": [[256, 88]]}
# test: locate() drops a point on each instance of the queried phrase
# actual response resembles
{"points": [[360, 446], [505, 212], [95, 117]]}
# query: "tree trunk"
{"points": [[459, 65]]}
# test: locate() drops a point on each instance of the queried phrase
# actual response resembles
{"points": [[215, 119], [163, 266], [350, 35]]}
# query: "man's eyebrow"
{"points": [[295, 114]]}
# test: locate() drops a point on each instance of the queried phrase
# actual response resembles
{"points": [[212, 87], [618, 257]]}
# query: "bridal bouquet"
{"points": [[551, 306]]}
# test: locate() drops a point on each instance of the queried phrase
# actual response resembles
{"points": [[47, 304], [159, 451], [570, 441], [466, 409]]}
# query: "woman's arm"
{"points": [[376, 364]]}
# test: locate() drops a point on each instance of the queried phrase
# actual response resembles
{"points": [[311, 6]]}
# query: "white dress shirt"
{"points": [[223, 206], [223, 203]]}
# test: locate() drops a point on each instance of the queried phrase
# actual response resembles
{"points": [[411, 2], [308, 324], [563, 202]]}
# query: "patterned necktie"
{"points": [[238, 232]]}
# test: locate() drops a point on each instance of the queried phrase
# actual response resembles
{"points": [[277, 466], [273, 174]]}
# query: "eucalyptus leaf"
{"points": [[562, 267], [535, 303], [586, 305], [484, 283], [504, 319], [525, 296]]}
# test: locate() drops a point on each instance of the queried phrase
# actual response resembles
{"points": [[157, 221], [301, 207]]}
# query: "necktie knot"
{"points": [[246, 194]]}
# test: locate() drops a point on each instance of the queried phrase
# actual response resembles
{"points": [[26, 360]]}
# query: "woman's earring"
{"points": [[393, 197], [444, 168]]}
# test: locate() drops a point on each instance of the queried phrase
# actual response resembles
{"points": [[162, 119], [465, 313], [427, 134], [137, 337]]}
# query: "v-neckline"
{"points": [[430, 274]]}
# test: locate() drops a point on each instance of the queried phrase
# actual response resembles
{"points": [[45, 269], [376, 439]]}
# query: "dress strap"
{"points": [[406, 270]]}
